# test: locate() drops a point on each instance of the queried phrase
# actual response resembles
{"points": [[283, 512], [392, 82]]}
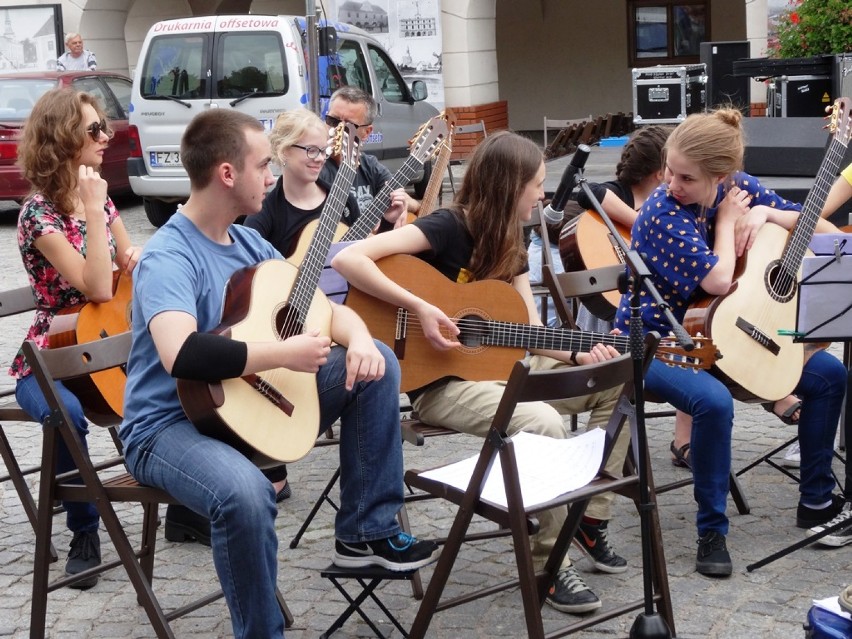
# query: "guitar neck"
{"points": [[314, 261], [367, 221], [436, 180], [516, 335], [803, 231]]}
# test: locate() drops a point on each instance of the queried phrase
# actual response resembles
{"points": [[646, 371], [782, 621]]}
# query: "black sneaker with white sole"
{"points": [[569, 593], [399, 553], [594, 542]]}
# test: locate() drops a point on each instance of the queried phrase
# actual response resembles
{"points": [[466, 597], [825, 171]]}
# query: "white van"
{"points": [[255, 64]]}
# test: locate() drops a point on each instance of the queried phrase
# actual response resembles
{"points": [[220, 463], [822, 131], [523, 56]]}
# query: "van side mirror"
{"points": [[419, 90], [327, 37]]}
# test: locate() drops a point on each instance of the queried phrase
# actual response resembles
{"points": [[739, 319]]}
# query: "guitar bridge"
{"points": [[400, 333], [758, 336], [270, 393]]}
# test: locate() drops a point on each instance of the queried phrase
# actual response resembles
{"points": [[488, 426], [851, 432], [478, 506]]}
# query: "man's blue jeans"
{"points": [[79, 516], [701, 395], [216, 481]]}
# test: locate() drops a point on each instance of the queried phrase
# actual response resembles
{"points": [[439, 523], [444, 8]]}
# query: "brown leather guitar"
{"points": [[102, 393], [494, 324], [753, 322], [274, 415], [426, 142], [586, 243]]}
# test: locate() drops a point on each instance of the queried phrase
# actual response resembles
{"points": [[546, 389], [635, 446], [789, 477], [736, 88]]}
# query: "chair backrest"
{"points": [[553, 123], [52, 365], [16, 301], [474, 127]]}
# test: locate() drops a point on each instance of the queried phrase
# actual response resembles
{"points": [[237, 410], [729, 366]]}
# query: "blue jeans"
{"points": [[701, 395], [80, 516], [241, 502]]}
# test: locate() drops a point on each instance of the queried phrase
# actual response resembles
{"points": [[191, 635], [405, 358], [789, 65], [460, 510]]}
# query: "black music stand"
{"points": [[825, 280]]}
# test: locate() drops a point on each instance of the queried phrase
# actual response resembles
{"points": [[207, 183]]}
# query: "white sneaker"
{"points": [[839, 537], [792, 456]]}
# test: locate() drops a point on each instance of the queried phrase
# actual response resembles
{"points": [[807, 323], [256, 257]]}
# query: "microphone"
{"points": [[553, 211]]}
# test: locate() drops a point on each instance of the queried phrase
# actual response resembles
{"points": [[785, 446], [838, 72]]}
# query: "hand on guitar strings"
{"points": [[306, 352], [437, 327]]}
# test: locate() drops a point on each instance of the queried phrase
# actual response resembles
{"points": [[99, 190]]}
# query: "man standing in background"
{"points": [[76, 58]]}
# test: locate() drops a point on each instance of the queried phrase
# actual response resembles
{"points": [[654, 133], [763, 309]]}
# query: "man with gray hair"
{"points": [[76, 58]]}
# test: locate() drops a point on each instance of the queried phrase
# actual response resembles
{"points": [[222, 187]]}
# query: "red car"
{"points": [[19, 91]]}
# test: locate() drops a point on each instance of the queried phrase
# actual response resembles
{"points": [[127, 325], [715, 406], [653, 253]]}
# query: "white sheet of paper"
{"points": [[831, 604], [547, 467]]}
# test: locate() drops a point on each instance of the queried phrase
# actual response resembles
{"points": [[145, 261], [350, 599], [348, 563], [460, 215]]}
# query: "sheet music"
{"points": [[547, 467]]}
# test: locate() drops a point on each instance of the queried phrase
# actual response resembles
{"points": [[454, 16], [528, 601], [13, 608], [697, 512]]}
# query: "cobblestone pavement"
{"points": [[769, 602]]}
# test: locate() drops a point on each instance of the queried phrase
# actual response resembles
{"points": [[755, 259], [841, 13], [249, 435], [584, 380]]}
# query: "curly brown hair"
{"points": [[499, 169], [52, 138]]}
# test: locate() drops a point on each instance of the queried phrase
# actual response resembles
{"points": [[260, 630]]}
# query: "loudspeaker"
{"points": [[784, 146], [723, 87]]}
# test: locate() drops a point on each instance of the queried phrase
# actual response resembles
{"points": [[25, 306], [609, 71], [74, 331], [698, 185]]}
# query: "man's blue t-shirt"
{"points": [[180, 270]]}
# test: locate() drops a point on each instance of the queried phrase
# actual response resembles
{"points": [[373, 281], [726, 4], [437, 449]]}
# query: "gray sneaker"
{"points": [[569, 593], [839, 537]]}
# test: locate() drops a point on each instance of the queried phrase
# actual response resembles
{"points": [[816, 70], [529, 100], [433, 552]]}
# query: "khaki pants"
{"points": [[469, 407]]}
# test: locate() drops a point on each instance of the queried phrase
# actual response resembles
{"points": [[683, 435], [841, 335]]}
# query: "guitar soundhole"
{"points": [[780, 285], [287, 321], [472, 331]]}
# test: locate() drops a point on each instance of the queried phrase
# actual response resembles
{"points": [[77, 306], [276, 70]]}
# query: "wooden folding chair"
{"points": [[526, 385], [567, 287], [103, 484], [16, 302]]}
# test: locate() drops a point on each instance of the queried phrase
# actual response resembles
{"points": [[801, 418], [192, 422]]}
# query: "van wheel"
{"points": [[158, 211], [420, 187]]}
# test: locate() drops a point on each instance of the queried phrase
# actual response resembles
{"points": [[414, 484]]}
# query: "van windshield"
{"points": [[176, 66], [250, 64]]}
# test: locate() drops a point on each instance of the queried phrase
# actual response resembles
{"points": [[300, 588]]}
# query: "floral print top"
{"points": [[51, 291]]}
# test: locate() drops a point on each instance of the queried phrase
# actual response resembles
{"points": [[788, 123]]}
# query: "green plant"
{"points": [[813, 27]]}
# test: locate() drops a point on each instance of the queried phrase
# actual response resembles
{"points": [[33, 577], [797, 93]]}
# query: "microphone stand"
{"points": [[649, 624]]}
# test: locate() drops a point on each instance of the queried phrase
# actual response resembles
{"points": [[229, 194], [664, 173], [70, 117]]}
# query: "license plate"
{"points": [[165, 158]]}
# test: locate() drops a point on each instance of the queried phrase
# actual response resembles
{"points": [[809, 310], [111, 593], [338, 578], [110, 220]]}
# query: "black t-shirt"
{"points": [[280, 223], [622, 190], [451, 242], [370, 177]]}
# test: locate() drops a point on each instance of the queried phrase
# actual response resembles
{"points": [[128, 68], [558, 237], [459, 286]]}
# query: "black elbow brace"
{"points": [[210, 358]]}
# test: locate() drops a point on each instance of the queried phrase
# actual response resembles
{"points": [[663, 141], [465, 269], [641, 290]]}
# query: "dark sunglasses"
{"points": [[96, 128], [330, 120], [313, 152]]}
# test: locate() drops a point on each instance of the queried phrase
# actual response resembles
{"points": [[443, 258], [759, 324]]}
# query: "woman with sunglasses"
{"points": [[71, 240]]}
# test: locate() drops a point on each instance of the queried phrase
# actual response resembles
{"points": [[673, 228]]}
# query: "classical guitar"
{"points": [[494, 325], [586, 243], [749, 324], [102, 393], [426, 142], [274, 414], [439, 168]]}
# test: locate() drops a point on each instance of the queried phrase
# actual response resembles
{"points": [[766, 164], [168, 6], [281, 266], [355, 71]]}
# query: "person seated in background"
{"points": [[356, 106], [178, 298], [480, 237]]}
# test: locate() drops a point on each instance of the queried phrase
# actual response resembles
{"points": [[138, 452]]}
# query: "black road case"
{"points": [[667, 94], [799, 96]]}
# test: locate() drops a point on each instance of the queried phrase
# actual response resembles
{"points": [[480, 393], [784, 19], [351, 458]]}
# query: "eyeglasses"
{"points": [[96, 128], [313, 152], [330, 120]]}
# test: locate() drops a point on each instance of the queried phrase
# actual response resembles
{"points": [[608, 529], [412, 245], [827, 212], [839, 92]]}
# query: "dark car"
{"points": [[19, 91]]}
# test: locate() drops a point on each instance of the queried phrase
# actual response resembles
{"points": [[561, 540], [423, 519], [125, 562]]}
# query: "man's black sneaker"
{"points": [[809, 517], [85, 553], [592, 540], [713, 558], [400, 553], [839, 537], [183, 524], [569, 593]]}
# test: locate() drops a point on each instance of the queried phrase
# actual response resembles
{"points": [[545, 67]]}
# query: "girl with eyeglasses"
{"points": [[299, 140], [71, 240]]}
